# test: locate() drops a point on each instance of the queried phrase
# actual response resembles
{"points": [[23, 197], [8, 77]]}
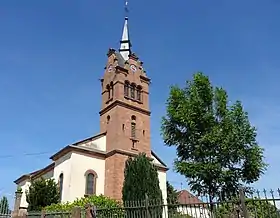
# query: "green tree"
{"points": [[216, 145], [172, 199], [42, 193], [172, 194], [142, 172], [4, 205]]}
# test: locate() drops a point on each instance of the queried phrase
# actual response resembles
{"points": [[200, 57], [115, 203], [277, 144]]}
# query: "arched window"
{"points": [[133, 118], [109, 91], [126, 88], [90, 184], [138, 93], [91, 177], [132, 91], [60, 185]]}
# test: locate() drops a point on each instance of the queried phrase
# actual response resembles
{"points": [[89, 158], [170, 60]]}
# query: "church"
{"points": [[95, 165]]}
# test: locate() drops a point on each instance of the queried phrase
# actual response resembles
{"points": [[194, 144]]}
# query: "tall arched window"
{"points": [[60, 185], [138, 93], [90, 184], [126, 88], [90, 177], [132, 91]]}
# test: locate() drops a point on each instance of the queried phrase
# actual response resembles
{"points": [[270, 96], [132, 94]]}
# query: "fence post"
{"points": [[88, 211], [147, 205], [18, 195], [91, 211], [43, 214], [243, 204], [76, 212]]}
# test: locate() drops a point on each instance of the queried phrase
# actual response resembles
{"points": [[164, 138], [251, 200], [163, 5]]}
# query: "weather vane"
{"points": [[126, 8]]}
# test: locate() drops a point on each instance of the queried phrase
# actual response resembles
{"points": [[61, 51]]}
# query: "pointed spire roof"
{"points": [[125, 45]]}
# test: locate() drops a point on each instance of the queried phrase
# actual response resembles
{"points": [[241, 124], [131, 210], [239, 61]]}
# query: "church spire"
{"points": [[125, 44]]}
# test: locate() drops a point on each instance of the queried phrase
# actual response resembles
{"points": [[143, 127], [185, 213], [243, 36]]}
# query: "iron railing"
{"points": [[256, 204], [56, 214]]}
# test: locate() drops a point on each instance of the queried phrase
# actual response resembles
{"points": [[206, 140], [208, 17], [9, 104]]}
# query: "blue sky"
{"points": [[52, 54]]}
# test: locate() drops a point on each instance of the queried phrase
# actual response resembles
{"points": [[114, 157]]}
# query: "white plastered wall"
{"points": [[99, 144], [162, 184], [80, 164], [63, 165]]}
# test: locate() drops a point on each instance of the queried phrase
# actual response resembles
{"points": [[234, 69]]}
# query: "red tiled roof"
{"points": [[185, 197]]}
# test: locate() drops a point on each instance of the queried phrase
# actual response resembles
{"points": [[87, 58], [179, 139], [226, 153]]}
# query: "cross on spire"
{"points": [[126, 8]]}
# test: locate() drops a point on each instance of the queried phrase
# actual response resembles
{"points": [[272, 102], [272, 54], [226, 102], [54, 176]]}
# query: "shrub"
{"points": [[101, 202], [255, 207]]}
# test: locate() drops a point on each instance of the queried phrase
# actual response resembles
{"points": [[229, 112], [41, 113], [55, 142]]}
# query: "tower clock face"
{"points": [[110, 68], [133, 67]]}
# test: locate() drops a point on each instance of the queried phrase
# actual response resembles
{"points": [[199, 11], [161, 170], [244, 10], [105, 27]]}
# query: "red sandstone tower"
{"points": [[125, 114]]}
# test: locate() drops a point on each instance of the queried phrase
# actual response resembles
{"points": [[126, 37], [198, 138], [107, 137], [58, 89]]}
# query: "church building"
{"points": [[95, 165]]}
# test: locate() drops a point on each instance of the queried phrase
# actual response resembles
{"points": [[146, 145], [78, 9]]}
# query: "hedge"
{"points": [[100, 201]]}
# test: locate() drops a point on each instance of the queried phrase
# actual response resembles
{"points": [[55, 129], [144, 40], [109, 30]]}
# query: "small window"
{"points": [[60, 185], [133, 118], [133, 130], [138, 93], [108, 119], [132, 91], [126, 89], [112, 89], [109, 91], [90, 184]]}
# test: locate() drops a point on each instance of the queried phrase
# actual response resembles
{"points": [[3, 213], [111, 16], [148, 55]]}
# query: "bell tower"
{"points": [[125, 112]]}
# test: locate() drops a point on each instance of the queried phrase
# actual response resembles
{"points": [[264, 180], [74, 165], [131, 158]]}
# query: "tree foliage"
{"points": [[142, 172], [4, 205], [216, 145], [41, 193], [172, 194], [262, 209], [255, 207], [172, 199]]}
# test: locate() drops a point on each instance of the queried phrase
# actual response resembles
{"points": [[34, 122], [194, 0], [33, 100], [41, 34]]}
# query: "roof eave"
{"points": [[156, 156]]}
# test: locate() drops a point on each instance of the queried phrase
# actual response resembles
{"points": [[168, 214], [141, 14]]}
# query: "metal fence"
{"points": [[49, 215], [257, 204]]}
